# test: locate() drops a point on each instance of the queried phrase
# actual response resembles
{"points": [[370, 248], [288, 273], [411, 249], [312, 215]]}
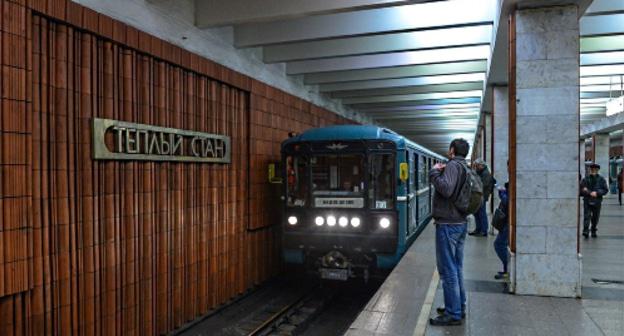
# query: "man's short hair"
{"points": [[461, 147]]}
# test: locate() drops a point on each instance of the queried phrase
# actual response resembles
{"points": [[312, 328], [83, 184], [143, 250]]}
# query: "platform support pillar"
{"points": [[500, 142], [582, 148], [601, 143], [546, 151]]}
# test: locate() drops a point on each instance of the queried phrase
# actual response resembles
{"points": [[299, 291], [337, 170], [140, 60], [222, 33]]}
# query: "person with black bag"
{"points": [[500, 221], [593, 187]]}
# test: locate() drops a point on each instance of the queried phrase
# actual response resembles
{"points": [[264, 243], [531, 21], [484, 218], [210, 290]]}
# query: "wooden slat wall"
{"points": [[93, 248]]}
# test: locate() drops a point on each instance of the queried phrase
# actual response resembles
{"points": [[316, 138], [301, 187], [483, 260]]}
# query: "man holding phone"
{"points": [[451, 228]]}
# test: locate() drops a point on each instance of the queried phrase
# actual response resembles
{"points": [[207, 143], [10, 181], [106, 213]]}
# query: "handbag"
{"points": [[499, 219]]}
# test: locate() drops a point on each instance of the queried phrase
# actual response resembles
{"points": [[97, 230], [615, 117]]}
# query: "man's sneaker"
{"points": [[594, 235], [475, 233], [442, 311], [501, 276], [444, 320], [585, 234]]}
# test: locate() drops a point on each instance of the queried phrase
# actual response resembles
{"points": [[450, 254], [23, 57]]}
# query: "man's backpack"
{"points": [[470, 194]]}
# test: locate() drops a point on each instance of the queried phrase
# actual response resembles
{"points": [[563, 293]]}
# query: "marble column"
{"points": [[501, 132], [547, 124], [501, 136], [582, 148], [488, 139], [602, 144]]}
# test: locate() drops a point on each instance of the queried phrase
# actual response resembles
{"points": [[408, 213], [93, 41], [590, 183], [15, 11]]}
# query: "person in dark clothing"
{"points": [[481, 219], [502, 239], [451, 227], [620, 185], [593, 187]]}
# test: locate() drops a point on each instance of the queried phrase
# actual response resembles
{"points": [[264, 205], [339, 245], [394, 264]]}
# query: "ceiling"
{"points": [[602, 57], [417, 67]]}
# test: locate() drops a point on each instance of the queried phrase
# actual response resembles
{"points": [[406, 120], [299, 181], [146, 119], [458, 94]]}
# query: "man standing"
{"points": [[593, 187], [451, 227], [620, 185], [481, 219]]}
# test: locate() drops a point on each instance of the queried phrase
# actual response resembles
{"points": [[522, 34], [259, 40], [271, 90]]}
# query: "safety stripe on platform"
{"points": [[425, 311]]}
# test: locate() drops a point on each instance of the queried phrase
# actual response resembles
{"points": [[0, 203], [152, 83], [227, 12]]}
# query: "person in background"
{"points": [[481, 219], [593, 187], [620, 179], [451, 226], [502, 239]]}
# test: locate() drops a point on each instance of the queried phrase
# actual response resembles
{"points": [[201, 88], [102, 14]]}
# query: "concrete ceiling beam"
{"points": [[363, 75], [211, 13], [604, 125], [432, 56], [602, 25], [413, 97], [602, 43], [402, 82], [381, 91], [381, 20], [605, 7], [383, 43]]}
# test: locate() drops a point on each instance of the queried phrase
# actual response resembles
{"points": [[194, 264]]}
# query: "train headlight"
{"points": [[319, 221], [355, 222], [331, 220], [343, 221], [292, 220], [384, 223]]}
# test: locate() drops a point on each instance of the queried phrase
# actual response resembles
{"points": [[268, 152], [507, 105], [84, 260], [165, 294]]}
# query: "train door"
{"points": [[412, 200], [431, 163]]}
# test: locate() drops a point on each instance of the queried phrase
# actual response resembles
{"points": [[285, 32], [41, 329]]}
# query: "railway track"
{"points": [[289, 307], [293, 317]]}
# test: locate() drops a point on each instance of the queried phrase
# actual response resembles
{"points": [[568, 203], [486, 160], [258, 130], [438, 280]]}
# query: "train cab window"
{"points": [[337, 175], [297, 180], [381, 184], [424, 173]]}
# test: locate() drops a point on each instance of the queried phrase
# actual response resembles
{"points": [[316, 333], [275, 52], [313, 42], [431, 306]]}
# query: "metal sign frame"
{"points": [[187, 151]]}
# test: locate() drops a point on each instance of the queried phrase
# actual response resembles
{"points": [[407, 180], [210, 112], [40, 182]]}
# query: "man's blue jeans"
{"points": [[500, 246], [481, 219], [450, 240]]}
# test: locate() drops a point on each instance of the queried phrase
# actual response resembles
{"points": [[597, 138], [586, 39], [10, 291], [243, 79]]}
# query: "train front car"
{"points": [[344, 214]]}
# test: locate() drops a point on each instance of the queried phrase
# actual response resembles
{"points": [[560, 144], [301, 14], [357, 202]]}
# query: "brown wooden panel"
{"points": [[90, 247]]}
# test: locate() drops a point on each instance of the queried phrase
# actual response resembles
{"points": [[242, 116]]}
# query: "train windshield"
{"points": [[341, 180], [380, 192], [297, 180], [337, 175]]}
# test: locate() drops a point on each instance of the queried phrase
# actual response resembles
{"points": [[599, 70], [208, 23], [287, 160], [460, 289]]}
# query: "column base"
{"points": [[547, 275]]}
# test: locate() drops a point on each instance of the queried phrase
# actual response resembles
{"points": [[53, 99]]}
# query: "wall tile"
{"points": [[547, 212], [531, 239], [551, 73], [547, 101]]}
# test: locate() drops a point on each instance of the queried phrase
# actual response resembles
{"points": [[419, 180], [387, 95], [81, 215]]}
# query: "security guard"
{"points": [[593, 187]]}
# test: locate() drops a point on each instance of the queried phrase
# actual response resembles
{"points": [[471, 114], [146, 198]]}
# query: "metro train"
{"points": [[354, 199]]}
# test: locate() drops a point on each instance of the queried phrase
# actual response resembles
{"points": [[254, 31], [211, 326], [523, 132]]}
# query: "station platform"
{"points": [[409, 296]]}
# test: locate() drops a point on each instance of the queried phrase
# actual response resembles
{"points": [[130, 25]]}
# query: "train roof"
{"points": [[357, 132]]}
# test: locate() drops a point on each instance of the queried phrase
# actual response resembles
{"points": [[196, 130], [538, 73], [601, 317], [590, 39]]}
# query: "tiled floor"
{"points": [[395, 308], [600, 312]]}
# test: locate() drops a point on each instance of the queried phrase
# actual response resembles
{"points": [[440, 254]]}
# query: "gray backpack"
{"points": [[470, 194]]}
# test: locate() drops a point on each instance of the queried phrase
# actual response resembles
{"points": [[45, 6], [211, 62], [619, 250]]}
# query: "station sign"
{"points": [[120, 140]]}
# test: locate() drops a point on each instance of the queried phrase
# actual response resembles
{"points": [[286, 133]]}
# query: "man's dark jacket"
{"points": [[447, 184], [595, 183], [488, 183]]}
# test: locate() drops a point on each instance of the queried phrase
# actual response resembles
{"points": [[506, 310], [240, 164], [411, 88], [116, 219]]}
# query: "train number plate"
{"points": [[334, 274]]}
